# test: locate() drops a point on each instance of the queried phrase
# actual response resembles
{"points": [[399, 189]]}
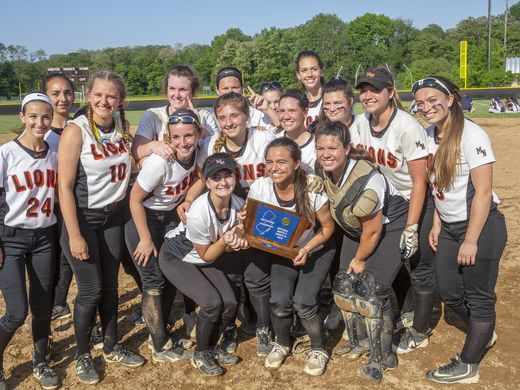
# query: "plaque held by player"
{"points": [[273, 229]]}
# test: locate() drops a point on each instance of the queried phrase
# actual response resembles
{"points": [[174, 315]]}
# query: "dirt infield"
{"points": [[499, 368]]}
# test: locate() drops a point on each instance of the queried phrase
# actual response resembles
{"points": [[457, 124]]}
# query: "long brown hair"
{"points": [[118, 81], [396, 101], [444, 163], [236, 100], [301, 192]]}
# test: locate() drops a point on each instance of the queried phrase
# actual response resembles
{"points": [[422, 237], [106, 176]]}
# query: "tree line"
{"points": [[345, 47]]}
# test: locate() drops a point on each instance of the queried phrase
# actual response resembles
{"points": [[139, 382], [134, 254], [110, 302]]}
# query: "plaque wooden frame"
{"points": [[288, 249]]}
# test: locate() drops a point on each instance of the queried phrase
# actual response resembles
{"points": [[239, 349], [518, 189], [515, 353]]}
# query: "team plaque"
{"points": [[273, 229]]}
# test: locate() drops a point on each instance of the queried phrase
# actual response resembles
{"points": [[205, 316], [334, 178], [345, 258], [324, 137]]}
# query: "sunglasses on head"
{"points": [[270, 85], [430, 82], [186, 119]]}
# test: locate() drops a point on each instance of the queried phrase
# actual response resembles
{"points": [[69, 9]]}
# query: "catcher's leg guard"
{"points": [[344, 289]]}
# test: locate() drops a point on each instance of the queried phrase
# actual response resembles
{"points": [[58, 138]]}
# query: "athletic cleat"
{"points": [[276, 357], [224, 358], [263, 341], [171, 353], [410, 340], [316, 362], [96, 338], [60, 312], [228, 340], [190, 320], [404, 321], [46, 376], [206, 362], [85, 369], [181, 343], [456, 371], [350, 352], [123, 356], [374, 371], [493, 340]]}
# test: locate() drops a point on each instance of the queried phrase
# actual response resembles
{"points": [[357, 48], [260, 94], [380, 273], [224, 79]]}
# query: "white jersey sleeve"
{"points": [[154, 124], [152, 172], [209, 122]]}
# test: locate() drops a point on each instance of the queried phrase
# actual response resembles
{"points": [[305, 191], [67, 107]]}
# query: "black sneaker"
{"points": [[60, 312], [123, 356], [96, 338], [206, 362], [374, 371], [46, 376], [228, 340], [410, 340], [264, 341], [224, 358], [171, 353], [456, 371], [85, 369]]}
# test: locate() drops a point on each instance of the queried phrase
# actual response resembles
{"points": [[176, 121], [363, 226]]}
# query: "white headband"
{"points": [[36, 96]]}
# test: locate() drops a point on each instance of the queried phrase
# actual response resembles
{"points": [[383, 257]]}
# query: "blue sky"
{"points": [[59, 26]]}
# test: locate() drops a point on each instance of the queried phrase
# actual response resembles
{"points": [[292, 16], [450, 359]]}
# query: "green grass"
{"points": [[8, 123]]}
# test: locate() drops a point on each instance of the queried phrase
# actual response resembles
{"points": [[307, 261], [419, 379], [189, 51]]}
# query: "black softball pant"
{"points": [[30, 250], [470, 290], [297, 288], [63, 271], [209, 287], [96, 277]]}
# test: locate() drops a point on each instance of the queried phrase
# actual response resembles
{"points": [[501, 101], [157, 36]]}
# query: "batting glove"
{"points": [[409, 242]]}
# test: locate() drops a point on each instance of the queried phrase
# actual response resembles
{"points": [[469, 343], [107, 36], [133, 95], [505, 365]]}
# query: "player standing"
{"points": [[309, 71]]}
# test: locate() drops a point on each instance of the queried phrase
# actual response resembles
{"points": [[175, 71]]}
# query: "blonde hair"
{"points": [[118, 81], [446, 158], [236, 100]]}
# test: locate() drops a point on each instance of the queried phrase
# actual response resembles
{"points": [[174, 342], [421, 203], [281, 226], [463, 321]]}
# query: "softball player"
{"points": [[309, 71], [160, 187], [397, 144], [468, 233], [61, 93], [192, 254], [27, 182], [372, 215], [260, 114], [181, 84], [247, 147], [94, 172], [296, 284], [271, 91], [292, 112]]}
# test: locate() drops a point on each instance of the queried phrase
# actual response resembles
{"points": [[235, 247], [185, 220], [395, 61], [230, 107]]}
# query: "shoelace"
{"points": [[123, 352], [86, 363], [263, 336], [317, 356], [44, 370], [208, 358], [449, 367], [278, 350]]}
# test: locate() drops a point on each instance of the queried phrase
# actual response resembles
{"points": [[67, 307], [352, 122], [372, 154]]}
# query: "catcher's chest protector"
{"points": [[352, 201]]}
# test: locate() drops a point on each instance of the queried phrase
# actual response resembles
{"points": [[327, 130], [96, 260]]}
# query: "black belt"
{"points": [[108, 207]]}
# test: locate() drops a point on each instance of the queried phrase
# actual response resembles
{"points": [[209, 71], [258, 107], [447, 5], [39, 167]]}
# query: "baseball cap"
{"points": [[376, 78], [218, 162], [35, 96], [229, 72]]}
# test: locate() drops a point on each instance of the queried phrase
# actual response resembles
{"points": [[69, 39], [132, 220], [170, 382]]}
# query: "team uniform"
{"points": [[102, 177], [167, 183], [313, 112], [250, 158], [403, 140], [27, 191], [468, 290], [154, 123], [296, 287], [206, 283]]}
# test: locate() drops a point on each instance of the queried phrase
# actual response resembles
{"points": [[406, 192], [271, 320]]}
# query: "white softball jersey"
{"points": [[263, 190], [52, 137], [27, 186], [313, 112], [454, 204], [167, 181], [250, 158], [403, 140], [202, 227], [154, 123], [103, 169]]}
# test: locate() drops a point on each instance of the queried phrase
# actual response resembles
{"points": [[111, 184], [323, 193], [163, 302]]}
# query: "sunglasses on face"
{"points": [[174, 119], [270, 85], [430, 82]]}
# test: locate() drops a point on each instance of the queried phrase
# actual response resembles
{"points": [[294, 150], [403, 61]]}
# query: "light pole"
{"points": [[489, 37]]}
